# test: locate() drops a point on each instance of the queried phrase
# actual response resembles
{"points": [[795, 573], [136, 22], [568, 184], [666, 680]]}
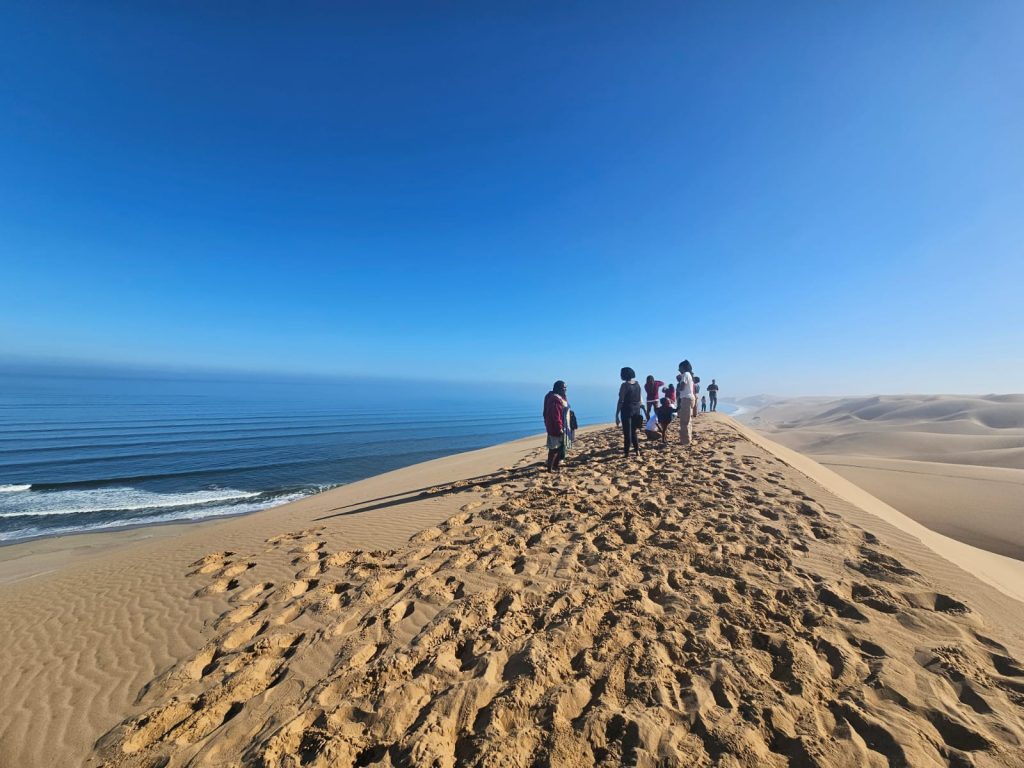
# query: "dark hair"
{"points": [[650, 378], [627, 373], [685, 366], [672, 387], [558, 387], [664, 401], [696, 379]]}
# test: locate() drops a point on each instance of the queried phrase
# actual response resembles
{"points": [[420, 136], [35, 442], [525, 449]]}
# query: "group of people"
{"points": [[655, 414], [637, 407]]}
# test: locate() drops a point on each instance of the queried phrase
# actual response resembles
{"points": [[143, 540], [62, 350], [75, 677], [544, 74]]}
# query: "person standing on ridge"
{"points": [[686, 399], [703, 404], [652, 387], [713, 395], [555, 406], [629, 410]]}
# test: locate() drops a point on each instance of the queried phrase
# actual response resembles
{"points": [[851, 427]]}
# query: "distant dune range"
{"points": [[953, 463]]}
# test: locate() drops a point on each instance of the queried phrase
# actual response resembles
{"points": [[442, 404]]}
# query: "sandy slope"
{"points": [[720, 608], [954, 463], [712, 608], [88, 620]]}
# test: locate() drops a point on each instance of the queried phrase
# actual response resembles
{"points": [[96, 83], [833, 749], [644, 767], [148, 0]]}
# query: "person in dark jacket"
{"points": [[629, 410], [665, 412], [713, 395], [555, 406]]}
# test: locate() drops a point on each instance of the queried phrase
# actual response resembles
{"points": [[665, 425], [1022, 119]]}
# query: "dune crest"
{"points": [[687, 609]]}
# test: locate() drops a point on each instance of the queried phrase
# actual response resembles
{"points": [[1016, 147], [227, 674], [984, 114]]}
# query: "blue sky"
{"points": [[802, 199]]}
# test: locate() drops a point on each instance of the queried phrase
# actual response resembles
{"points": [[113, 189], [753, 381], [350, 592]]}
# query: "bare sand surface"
{"points": [[88, 620], [953, 463], [717, 606]]}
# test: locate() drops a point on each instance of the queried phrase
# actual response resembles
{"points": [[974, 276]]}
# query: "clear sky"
{"points": [[802, 198]]}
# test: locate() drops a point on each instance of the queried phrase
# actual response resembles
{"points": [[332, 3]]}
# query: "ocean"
{"points": [[86, 451]]}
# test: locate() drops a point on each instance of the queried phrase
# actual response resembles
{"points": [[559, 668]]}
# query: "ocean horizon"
{"points": [[99, 450]]}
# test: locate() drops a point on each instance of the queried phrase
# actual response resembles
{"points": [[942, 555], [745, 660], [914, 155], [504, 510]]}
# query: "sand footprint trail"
{"points": [[702, 610]]}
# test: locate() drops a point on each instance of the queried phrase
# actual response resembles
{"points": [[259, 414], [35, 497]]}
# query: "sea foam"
{"points": [[116, 499]]}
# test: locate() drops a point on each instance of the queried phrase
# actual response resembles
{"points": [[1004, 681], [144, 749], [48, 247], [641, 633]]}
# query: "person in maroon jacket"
{"points": [[554, 422], [652, 387]]}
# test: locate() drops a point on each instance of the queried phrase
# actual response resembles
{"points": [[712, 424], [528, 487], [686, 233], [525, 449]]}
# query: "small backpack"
{"points": [[631, 398]]}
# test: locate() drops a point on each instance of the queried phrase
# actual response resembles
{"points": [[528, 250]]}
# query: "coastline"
{"points": [[94, 618]]}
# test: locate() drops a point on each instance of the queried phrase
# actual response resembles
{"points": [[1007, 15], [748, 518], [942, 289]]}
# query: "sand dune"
{"points": [[679, 611], [954, 463], [712, 608], [89, 620]]}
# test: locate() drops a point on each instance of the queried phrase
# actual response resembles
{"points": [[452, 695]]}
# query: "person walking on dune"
{"points": [[555, 406], [713, 395], [629, 410], [687, 400]]}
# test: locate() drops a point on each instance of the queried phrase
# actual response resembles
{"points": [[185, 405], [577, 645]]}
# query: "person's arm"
{"points": [[618, 405]]}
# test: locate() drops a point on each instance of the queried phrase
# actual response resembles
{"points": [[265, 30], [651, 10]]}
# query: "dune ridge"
{"points": [[710, 608]]}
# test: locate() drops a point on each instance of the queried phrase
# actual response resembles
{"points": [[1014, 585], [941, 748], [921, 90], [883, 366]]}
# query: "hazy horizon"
{"points": [[64, 367]]}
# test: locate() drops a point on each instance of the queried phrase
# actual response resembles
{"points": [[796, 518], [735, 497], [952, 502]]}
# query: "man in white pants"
{"points": [[685, 397]]}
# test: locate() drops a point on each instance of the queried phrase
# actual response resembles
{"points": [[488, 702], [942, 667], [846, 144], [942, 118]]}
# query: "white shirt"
{"points": [[685, 388]]}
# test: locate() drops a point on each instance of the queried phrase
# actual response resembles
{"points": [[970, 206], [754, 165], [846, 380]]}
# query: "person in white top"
{"points": [[686, 397]]}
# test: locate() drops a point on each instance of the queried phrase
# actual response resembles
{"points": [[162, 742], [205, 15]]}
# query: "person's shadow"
{"points": [[582, 455]]}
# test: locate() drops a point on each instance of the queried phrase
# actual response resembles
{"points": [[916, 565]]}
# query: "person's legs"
{"points": [[635, 425], [627, 429], [685, 412], [552, 460], [714, 402]]}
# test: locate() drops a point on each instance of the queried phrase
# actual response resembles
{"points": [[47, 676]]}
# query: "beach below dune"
{"points": [[682, 608]]}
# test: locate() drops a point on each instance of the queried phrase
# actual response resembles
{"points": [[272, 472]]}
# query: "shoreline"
{"points": [[112, 611], [214, 519]]}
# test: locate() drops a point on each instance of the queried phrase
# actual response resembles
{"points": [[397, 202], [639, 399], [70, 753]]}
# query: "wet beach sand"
{"points": [[733, 604]]}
